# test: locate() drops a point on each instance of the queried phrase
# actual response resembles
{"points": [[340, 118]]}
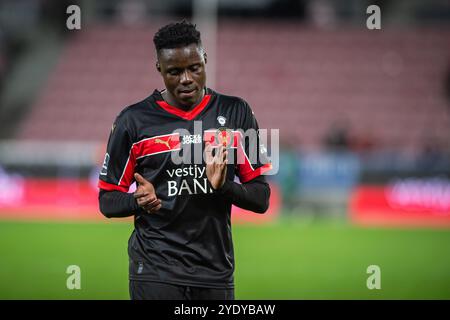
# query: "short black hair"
{"points": [[176, 35]]}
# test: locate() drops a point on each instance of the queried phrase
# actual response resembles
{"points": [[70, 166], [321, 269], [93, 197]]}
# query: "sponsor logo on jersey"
{"points": [[164, 142], [222, 120], [188, 180], [191, 138], [104, 170]]}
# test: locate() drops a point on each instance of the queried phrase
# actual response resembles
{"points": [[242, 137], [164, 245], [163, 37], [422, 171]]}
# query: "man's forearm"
{"points": [[253, 195], [116, 204]]}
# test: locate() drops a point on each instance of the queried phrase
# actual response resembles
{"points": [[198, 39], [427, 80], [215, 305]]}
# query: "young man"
{"points": [[181, 247]]}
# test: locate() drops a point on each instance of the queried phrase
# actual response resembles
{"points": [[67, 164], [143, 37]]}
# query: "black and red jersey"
{"points": [[188, 241]]}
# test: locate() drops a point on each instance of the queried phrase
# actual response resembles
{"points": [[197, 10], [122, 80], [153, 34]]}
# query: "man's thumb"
{"points": [[140, 179]]}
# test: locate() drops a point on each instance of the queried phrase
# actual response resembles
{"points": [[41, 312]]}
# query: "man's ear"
{"points": [[205, 56], [158, 66]]}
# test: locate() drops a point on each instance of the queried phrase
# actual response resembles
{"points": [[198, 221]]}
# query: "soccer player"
{"points": [[181, 246]]}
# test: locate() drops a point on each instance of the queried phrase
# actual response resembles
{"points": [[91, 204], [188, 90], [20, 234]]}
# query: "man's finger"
{"points": [[139, 179], [140, 195], [219, 155], [153, 205], [154, 209], [147, 201], [208, 151], [157, 208]]}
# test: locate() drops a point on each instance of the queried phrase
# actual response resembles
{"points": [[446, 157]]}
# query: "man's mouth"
{"points": [[187, 92]]}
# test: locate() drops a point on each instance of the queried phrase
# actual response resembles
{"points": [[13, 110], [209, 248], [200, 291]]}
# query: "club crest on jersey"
{"points": [[224, 136], [222, 120]]}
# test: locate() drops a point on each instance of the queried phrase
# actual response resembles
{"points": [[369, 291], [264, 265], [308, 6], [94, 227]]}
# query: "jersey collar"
{"points": [[187, 115]]}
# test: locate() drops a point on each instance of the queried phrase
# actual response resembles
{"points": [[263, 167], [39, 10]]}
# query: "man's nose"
{"points": [[186, 77]]}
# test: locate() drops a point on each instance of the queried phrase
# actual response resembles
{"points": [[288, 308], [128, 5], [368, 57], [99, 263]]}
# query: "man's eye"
{"points": [[195, 68], [174, 72]]}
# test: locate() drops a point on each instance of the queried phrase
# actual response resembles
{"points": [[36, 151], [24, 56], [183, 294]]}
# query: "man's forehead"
{"points": [[181, 55]]}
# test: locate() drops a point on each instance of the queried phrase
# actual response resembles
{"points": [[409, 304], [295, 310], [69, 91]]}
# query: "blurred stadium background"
{"points": [[364, 119]]}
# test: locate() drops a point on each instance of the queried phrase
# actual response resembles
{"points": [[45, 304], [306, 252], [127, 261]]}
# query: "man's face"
{"points": [[183, 71]]}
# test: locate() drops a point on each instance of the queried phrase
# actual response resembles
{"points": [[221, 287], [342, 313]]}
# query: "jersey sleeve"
{"points": [[252, 156], [118, 166]]}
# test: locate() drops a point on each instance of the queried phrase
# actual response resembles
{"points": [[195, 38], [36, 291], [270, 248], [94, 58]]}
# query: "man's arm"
{"points": [[254, 192], [253, 195], [117, 204]]}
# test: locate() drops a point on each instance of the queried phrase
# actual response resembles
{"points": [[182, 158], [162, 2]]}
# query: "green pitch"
{"points": [[286, 260]]}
